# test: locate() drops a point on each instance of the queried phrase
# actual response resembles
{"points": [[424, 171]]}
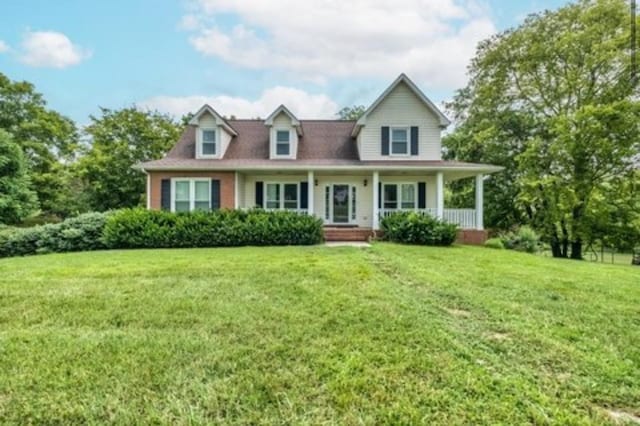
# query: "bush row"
{"points": [[140, 228], [416, 228]]}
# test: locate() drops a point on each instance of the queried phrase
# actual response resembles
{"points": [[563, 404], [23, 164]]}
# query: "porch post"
{"points": [[480, 201], [310, 187], [376, 197], [440, 195]]}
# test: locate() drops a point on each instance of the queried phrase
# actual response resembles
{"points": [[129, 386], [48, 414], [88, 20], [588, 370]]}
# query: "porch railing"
{"points": [[464, 218]]}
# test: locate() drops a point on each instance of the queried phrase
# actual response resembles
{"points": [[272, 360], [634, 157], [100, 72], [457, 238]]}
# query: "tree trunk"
{"points": [[555, 249], [576, 249]]}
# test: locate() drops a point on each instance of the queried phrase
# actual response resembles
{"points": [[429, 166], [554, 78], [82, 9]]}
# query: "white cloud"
{"points": [[189, 23], [51, 49], [431, 40], [4, 47], [301, 103]]}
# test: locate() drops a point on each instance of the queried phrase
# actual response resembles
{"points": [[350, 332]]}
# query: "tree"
{"points": [[45, 137], [17, 200], [538, 95], [119, 140], [351, 112]]}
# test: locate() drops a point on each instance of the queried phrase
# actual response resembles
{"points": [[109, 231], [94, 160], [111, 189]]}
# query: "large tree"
{"points": [[118, 140], [552, 102], [17, 200], [47, 139], [351, 112]]}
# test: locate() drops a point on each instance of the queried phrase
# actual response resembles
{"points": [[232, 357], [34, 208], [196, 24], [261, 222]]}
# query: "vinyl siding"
{"points": [[222, 136], [401, 108]]}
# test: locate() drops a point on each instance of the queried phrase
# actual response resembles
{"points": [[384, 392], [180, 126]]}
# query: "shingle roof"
{"points": [[324, 144]]}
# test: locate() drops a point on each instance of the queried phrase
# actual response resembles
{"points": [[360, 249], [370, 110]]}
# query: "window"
{"points": [[191, 194], [208, 144], [282, 142], [273, 196], [290, 196], [407, 196], [399, 141], [282, 196], [390, 196]]}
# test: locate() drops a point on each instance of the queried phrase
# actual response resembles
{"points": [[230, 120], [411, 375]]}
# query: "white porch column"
{"points": [[480, 201], [311, 184], [440, 195], [376, 197]]}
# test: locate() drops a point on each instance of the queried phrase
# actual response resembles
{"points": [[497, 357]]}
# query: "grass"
{"points": [[390, 334]]}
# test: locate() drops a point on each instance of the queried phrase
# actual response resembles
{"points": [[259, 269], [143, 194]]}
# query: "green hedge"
{"points": [[415, 228], [523, 239], [80, 233], [140, 228]]}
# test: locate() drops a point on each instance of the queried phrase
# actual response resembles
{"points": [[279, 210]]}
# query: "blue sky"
{"points": [[243, 57]]}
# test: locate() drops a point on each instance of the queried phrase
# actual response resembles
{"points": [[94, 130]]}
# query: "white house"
{"points": [[348, 173]]}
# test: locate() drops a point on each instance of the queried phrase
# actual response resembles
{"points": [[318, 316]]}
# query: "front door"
{"points": [[341, 203]]}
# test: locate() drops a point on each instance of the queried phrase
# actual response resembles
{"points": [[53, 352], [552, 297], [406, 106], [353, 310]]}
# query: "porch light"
{"points": [[316, 182], [365, 182]]}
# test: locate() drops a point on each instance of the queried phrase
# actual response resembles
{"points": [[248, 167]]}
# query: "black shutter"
{"points": [[414, 141], [422, 195], [165, 194], [259, 194], [385, 140], [215, 194], [304, 195], [379, 195]]}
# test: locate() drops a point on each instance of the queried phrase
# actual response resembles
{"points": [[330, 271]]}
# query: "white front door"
{"points": [[340, 199]]}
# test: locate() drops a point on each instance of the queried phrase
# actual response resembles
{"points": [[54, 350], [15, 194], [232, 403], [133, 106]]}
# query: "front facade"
{"points": [[348, 173]]}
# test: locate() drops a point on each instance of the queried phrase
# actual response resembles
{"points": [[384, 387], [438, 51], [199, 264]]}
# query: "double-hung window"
{"points": [[282, 196], [191, 194], [208, 146], [283, 142], [399, 141], [399, 196]]}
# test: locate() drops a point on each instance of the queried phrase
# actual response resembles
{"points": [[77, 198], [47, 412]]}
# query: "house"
{"points": [[348, 173]]}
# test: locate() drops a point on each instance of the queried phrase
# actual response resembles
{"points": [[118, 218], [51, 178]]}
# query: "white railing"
{"points": [[464, 218]]}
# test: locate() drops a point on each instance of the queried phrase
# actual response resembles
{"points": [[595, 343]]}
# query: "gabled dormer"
{"points": [[213, 133], [284, 132], [402, 124]]}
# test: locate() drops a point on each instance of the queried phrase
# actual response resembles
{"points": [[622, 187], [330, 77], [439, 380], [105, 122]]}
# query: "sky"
{"points": [[244, 57]]}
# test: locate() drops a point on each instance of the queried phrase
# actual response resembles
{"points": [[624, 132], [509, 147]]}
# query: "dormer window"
{"points": [[283, 143], [399, 141], [208, 145]]}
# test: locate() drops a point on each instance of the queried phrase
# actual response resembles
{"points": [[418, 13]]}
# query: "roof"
{"points": [[326, 144], [402, 78], [207, 109]]}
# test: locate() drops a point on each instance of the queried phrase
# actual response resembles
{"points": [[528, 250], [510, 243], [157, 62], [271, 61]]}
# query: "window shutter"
{"points": [[165, 194], [379, 195], [422, 195], [385, 140], [215, 194], [414, 141], [304, 195], [259, 194]]}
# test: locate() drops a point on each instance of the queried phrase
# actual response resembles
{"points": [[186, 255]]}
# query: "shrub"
{"points": [[140, 228], [524, 239], [494, 243], [79, 233], [415, 228]]}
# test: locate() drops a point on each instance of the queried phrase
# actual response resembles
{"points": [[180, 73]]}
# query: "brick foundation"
{"points": [[347, 234], [227, 185], [474, 237]]}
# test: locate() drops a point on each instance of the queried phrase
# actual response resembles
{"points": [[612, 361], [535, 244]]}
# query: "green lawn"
{"points": [[389, 334]]}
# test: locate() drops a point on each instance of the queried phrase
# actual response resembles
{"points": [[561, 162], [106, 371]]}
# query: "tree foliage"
{"points": [[45, 137], [552, 102], [351, 112], [17, 200], [119, 140]]}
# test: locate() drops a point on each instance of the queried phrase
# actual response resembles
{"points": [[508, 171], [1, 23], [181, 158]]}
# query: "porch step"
{"points": [[347, 234]]}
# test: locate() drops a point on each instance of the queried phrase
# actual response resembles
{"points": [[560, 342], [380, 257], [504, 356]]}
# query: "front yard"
{"points": [[389, 334]]}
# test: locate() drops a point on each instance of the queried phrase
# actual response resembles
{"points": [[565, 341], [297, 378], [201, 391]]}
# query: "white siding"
{"points": [[401, 108], [364, 197], [241, 191], [283, 122]]}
